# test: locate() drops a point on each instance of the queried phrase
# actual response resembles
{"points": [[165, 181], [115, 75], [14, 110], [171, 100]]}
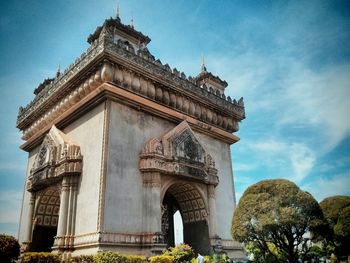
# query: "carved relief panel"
{"points": [[57, 157], [180, 153]]}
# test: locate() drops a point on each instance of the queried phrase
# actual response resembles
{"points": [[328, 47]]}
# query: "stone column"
{"points": [[151, 203], [62, 219], [152, 214], [212, 210], [29, 233], [71, 210]]}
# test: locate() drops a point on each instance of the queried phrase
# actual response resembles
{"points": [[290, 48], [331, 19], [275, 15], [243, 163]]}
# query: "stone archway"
{"points": [[46, 219], [52, 184], [186, 198], [179, 174]]}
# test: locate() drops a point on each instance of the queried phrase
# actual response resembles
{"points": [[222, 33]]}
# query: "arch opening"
{"points": [[46, 220], [186, 199], [178, 228]]}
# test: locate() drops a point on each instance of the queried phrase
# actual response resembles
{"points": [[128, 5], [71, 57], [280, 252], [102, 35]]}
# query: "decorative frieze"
{"points": [[133, 71], [129, 80]]}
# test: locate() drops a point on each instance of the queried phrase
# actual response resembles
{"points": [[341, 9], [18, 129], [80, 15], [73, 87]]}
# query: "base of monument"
{"points": [[233, 249], [122, 248]]}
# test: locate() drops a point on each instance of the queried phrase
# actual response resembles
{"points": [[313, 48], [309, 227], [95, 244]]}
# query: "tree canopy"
{"points": [[275, 215], [9, 248], [336, 209]]}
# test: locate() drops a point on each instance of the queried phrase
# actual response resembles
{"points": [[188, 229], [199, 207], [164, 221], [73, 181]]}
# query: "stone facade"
{"points": [[117, 143]]}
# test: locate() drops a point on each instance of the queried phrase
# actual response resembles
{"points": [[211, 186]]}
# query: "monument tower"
{"points": [[117, 143]]}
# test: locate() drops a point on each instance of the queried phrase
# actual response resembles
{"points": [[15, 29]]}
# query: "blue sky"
{"points": [[290, 60]]}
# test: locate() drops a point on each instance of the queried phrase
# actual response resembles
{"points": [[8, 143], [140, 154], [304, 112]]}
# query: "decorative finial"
{"points": [[132, 23], [139, 43], [117, 12], [58, 70], [203, 68]]}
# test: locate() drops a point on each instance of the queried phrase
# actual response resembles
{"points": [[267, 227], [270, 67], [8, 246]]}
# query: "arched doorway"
{"points": [[45, 219], [186, 198]]}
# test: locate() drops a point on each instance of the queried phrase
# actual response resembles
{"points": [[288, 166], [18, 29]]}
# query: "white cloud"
{"points": [[302, 160], [244, 166], [319, 99], [293, 161], [325, 187], [270, 146]]}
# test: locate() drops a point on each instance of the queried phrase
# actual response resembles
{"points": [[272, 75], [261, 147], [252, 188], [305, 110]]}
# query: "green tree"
{"points": [[9, 248], [336, 209], [275, 215]]}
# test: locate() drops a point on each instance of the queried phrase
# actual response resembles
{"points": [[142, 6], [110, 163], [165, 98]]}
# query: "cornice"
{"points": [[106, 61], [127, 97], [51, 93]]}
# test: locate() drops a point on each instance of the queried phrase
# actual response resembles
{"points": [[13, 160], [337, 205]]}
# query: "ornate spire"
{"points": [[58, 72], [203, 68], [117, 12]]}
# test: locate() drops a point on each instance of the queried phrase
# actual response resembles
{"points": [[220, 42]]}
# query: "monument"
{"points": [[117, 143]]}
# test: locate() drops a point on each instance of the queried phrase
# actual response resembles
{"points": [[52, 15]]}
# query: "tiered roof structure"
{"points": [[118, 54]]}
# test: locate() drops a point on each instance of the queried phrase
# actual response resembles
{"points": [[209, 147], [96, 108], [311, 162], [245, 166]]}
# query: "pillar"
{"points": [[29, 232], [62, 219], [70, 228], [212, 210], [151, 203]]}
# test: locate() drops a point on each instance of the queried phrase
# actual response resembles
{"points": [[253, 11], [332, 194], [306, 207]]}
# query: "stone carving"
{"points": [[56, 158], [153, 146], [187, 146], [47, 209], [178, 153], [55, 102], [209, 161], [42, 155]]}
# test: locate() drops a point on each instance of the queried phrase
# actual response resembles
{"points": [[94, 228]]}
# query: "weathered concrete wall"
{"points": [[87, 131], [24, 218], [128, 132], [224, 192]]}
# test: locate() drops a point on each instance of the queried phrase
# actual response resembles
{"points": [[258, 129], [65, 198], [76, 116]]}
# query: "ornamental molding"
{"points": [[58, 156], [178, 153], [107, 60], [118, 238]]}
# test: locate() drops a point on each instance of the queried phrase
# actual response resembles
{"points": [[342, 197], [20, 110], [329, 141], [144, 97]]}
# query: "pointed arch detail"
{"points": [[58, 156], [179, 153]]}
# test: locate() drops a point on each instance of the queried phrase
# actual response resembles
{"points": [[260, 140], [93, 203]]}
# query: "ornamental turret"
{"points": [[209, 81]]}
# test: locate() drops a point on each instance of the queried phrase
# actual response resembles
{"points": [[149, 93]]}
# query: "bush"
{"points": [[9, 248], [181, 253], [108, 257], [114, 257], [134, 259], [83, 259], [161, 259], [40, 257]]}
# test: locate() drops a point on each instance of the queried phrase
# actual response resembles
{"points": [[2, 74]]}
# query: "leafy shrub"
{"points": [[40, 257], [161, 259], [114, 257], [9, 248], [181, 253], [108, 257], [134, 259], [83, 259]]}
